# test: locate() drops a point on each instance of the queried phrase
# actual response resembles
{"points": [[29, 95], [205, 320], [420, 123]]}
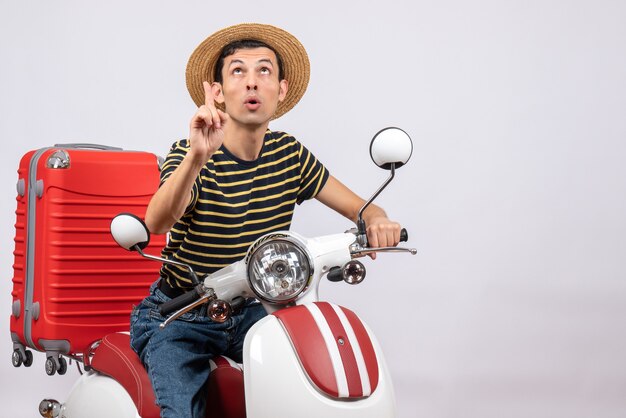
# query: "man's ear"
{"points": [[282, 93], [216, 89]]}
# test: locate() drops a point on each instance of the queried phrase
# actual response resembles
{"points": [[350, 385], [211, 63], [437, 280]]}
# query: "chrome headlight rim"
{"points": [[274, 238]]}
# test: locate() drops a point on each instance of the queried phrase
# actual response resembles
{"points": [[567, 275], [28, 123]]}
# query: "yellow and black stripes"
{"points": [[234, 202]]}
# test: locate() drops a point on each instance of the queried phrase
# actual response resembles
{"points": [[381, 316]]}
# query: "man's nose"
{"points": [[251, 83]]}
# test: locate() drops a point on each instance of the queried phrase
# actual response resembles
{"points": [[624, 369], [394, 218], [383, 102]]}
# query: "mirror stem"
{"points": [[360, 222], [192, 273]]}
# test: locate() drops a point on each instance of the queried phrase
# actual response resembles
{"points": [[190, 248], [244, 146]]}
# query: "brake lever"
{"points": [[209, 295], [364, 251]]}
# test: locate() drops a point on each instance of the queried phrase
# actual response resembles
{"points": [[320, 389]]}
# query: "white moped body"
{"points": [[99, 396]]}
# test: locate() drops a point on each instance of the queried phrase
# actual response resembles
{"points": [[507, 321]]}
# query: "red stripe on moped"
{"points": [[346, 351], [310, 347], [367, 348], [333, 347]]}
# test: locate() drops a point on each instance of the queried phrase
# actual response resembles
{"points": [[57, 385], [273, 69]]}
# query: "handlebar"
{"points": [[181, 301], [363, 249], [198, 294], [404, 237]]}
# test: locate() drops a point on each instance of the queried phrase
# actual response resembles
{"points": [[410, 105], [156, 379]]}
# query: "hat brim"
{"points": [[296, 66]]}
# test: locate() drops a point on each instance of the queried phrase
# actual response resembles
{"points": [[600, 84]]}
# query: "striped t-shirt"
{"points": [[234, 202]]}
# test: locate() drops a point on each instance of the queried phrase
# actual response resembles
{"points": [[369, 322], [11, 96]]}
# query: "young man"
{"points": [[231, 182]]}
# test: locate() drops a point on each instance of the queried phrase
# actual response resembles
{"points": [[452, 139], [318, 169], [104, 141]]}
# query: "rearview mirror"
{"points": [[130, 232], [391, 146]]}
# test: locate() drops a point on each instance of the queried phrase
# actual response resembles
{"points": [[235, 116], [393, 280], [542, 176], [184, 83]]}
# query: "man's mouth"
{"points": [[252, 103]]}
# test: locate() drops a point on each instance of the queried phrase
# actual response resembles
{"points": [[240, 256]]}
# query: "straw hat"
{"points": [[296, 67]]}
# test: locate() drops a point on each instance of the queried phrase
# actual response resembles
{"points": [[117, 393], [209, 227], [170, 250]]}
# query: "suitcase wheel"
{"points": [[17, 358], [59, 366], [63, 366], [51, 366], [28, 361]]}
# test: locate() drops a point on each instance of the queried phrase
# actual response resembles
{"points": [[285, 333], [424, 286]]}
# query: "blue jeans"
{"points": [[177, 357]]}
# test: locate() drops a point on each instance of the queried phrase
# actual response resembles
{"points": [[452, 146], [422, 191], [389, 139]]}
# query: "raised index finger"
{"points": [[209, 104], [208, 94]]}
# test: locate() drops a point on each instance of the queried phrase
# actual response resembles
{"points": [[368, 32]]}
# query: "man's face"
{"points": [[250, 89]]}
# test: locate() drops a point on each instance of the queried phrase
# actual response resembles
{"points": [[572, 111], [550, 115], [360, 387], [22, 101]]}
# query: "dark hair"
{"points": [[232, 47]]}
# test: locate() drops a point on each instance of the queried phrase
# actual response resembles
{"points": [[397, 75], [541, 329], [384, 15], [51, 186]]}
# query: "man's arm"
{"points": [[381, 232], [205, 137], [169, 202]]}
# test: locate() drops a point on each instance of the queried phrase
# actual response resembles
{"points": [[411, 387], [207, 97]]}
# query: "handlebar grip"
{"points": [[178, 302], [404, 235]]}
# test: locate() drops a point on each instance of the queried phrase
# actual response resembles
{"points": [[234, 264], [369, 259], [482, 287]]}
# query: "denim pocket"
{"points": [[138, 327]]}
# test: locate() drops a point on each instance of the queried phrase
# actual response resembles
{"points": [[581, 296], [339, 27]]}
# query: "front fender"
{"points": [[290, 355]]}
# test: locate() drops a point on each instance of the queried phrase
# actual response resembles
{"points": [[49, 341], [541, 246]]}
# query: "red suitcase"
{"points": [[72, 284]]}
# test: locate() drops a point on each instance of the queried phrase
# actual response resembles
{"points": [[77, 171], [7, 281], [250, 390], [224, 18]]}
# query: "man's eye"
{"points": [[265, 70], [237, 71]]}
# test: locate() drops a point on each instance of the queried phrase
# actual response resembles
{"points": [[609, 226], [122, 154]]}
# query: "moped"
{"points": [[306, 358]]}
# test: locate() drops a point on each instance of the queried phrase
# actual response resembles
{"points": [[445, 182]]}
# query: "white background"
{"points": [[515, 196]]}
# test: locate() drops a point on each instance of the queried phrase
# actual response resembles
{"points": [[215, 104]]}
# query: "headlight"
{"points": [[278, 269]]}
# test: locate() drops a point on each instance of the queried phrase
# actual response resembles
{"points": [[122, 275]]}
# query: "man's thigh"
{"points": [[176, 357]]}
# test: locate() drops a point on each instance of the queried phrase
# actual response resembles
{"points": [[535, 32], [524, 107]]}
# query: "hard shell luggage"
{"points": [[72, 284]]}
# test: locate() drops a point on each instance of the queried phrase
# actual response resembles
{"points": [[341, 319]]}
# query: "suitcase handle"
{"points": [[85, 145]]}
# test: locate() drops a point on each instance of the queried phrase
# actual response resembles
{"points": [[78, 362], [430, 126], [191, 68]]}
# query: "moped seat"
{"points": [[115, 358], [226, 397]]}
